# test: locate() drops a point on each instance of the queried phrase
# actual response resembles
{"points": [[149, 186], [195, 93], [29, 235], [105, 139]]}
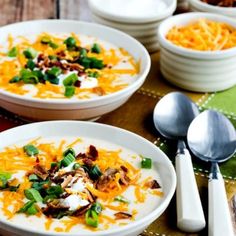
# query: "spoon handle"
{"points": [[219, 215], [190, 217]]}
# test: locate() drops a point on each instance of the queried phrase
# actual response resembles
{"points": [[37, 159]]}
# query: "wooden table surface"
{"points": [[21, 10]]}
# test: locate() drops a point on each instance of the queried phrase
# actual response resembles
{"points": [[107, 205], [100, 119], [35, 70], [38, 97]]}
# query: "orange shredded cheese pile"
{"points": [[203, 35]]}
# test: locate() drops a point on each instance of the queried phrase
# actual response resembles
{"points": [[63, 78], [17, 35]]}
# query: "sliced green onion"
{"points": [[83, 53], [32, 210], [96, 63], [121, 199], [49, 197], [54, 71], [30, 150], [51, 79], [52, 57], [96, 48], [146, 163], [30, 64], [13, 52], [54, 164], [33, 178], [26, 206], [68, 159], [45, 40], [70, 43], [33, 194], [30, 53], [55, 190], [4, 177], [91, 62], [28, 76], [67, 151], [94, 74], [70, 80], [53, 45], [15, 79], [39, 74], [13, 188], [40, 185], [95, 172], [69, 91], [76, 166], [91, 218], [97, 207], [31, 79]]}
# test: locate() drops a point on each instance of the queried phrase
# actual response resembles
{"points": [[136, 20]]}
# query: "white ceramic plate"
{"points": [[49, 109], [148, 12], [123, 138]]}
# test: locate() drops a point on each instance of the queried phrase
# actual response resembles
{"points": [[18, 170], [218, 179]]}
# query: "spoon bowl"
{"points": [[216, 148], [172, 117], [212, 137]]}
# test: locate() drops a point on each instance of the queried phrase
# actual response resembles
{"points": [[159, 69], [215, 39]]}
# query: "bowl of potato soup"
{"points": [[69, 178], [64, 69]]}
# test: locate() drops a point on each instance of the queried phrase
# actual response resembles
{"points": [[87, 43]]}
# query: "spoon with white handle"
{"points": [[212, 137], [172, 117]]}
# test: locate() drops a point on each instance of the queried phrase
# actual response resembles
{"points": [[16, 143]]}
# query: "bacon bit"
{"points": [[77, 83], [53, 170], [54, 208], [153, 184], [80, 156], [122, 215], [82, 210], [40, 57], [106, 178], [124, 169], [40, 171], [124, 179], [37, 160], [61, 54], [66, 181], [93, 153], [91, 198], [88, 162]]}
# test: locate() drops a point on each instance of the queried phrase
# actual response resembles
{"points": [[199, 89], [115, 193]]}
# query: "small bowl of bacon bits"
{"points": [[198, 51], [70, 178], [64, 69], [223, 7]]}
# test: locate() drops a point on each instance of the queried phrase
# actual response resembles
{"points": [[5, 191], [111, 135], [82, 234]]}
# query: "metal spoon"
{"points": [[212, 137], [172, 117]]}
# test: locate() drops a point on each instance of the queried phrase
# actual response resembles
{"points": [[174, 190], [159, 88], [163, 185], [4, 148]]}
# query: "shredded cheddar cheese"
{"points": [[203, 35]]}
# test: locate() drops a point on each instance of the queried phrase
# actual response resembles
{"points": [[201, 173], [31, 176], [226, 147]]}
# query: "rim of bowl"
{"points": [[88, 102], [186, 18], [211, 8], [128, 227], [100, 10]]}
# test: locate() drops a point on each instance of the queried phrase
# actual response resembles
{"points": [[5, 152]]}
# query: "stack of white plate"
{"points": [[137, 18]]}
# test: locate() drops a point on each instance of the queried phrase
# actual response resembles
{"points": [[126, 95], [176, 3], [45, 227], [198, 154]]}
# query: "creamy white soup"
{"points": [[76, 185], [64, 66]]}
